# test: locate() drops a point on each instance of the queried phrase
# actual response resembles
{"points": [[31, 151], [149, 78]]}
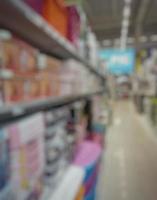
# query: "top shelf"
{"points": [[17, 17]]}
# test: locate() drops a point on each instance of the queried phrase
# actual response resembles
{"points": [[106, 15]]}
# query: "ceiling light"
{"points": [[123, 43], [124, 32], [126, 12], [127, 1], [125, 23]]}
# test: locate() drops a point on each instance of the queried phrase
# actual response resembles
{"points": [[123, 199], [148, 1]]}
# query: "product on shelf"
{"points": [[101, 119], [37, 5], [77, 123], [27, 74], [17, 56], [49, 69], [55, 12], [77, 75], [59, 145], [27, 156], [74, 24]]}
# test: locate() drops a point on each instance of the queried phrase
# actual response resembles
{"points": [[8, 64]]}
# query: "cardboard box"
{"points": [[18, 56]]}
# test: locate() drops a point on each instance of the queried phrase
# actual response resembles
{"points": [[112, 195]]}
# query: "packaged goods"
{"points": [[73, 24], [59, 145], [18, 56], [55, 12], [50, 72], [37, 5], [27, 156], [13, 90], [20, 90]]}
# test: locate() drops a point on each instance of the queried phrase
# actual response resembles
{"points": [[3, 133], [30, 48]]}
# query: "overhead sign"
{"points": [[119, 61]]}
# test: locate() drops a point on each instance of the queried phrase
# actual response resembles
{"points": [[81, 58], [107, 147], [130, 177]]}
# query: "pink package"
{"points": [[35, 4], [74, 24], [88, 153]]}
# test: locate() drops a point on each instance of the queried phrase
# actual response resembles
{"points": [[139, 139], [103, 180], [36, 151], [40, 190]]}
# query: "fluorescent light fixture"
{"points": [[127, 1], [126, 12], [153, 38], [124, 32], [125, 23], [123, 44]]}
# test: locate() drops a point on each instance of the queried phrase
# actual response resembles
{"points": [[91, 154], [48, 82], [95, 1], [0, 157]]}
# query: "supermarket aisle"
{"points": [[130, 165]]}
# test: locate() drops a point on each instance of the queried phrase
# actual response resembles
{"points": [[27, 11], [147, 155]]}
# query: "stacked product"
{"points": [[18, 65], [36, 152], [73, 69], [79, 122], [88, 157], [27, 159], [65, 19], [27, 74], [73, 24], [144, 83], [59, 145], [55, 12]]}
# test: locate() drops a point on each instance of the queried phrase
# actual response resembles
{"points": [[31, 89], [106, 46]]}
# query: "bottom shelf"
{"points": [[73, 177]]}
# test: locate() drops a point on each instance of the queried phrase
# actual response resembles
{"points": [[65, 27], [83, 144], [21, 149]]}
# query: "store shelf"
{"points": [[37, 32], [73, 177], [20, 109]]}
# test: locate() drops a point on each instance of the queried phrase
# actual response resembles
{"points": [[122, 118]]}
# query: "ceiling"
{"points": [[105, 17]]}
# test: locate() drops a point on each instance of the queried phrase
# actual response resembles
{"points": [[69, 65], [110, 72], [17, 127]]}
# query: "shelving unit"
{"points": [[21, 109], [14, 15], [47, 40], [39, 33]]}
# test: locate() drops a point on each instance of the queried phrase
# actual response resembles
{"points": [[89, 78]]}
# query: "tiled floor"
{"points": [[129, 169]]}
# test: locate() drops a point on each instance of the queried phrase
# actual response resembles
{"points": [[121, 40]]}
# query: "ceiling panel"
{"points": [[105, 17]]}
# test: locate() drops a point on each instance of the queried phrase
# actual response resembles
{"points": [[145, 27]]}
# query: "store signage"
{"points": [[119, 61]]}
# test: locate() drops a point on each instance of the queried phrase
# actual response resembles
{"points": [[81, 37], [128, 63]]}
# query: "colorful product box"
{"points": [[27, 155], [55, 12], [18, 56]]}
